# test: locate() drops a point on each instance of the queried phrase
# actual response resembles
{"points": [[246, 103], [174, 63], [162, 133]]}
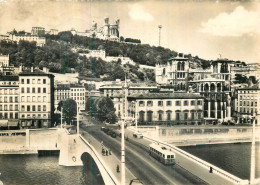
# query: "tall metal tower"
{"points": [[160, 27]]}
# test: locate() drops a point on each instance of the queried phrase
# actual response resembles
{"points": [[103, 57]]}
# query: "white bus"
{"points": [[162, 154]]}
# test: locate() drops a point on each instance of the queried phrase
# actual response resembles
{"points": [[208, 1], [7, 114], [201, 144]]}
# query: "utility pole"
{"points": [[61, 118], [77, 119], [252, 166], [160, 27], [123, 135]]}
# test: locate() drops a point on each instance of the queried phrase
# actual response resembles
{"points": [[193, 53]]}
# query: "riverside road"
{"points": [[140, 163]]}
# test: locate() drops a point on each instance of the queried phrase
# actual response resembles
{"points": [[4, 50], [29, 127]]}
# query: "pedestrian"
{"points": [[106, 153], [117, 169], [103, 151]]}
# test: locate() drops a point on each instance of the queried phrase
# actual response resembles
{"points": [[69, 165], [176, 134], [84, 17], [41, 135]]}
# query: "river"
{"points": [[34, 169], [233, 158]]}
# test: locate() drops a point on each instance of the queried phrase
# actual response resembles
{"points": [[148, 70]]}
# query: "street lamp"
{"points": [[77, 119], [252, 167]]}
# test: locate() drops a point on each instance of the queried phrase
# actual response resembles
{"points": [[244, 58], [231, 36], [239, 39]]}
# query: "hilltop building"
{"points": [[109, 31], [38, 31]]}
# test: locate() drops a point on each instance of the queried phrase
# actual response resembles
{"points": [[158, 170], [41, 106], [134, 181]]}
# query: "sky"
{"points": [[209, 29]]}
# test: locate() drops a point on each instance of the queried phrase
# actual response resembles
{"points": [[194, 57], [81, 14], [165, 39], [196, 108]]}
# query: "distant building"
{"points": [[61, 93], [4, 60], [36, 99], [78, 93], [38, 31], [114, 91], [248, 105], [109, 31], [174, 73], [9, 101], [165, 108], [40, 41], [54, 32]]}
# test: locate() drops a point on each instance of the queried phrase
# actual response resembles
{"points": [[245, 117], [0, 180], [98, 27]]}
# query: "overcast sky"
{"points": [[206, 29]]}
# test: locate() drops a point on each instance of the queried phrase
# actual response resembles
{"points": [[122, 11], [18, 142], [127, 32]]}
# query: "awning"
{"points": [[12, 123], [3, 123]]}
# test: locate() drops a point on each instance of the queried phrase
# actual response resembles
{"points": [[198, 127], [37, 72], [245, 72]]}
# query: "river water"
{"points": [[233, 158], [34, 169]]}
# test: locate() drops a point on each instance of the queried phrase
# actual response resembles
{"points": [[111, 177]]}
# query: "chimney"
{"points": [[31, 69]]}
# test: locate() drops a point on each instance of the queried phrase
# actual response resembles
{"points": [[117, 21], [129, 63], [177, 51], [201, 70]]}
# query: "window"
{"points": [[28, 81], [185, 115], [5, 99], [16, 107], [186, 103], [192, 115], [33, 90], [141, 103], [22, 81], [11, 99], [33, 99], [22, 90], [33, 108], [160, 114], [39, 108], [44, 90], [1, 107], [16, 115], [169, 115], [22, 107], [177, 116], [192, 102], [39, 90], [168, 103], [160, 103], [149, 103], [5, 107], [199, 102], [16, 99], [39, 99], [28, 108], [44, 107], [10, 107], [44, 81], [33, 81], [149, 116], [177, 103], [141, 116], [23, 116], [11, 116], [6, 115], [39, 81], [44, 99]]}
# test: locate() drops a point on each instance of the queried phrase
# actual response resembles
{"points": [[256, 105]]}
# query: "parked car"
{"points": [[113, 135]]}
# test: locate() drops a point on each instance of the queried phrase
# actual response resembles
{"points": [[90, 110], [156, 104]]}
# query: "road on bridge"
{"points": [[140, 163]]}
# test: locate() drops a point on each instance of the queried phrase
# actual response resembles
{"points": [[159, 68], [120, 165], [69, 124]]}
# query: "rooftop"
{"points": [[9, 78], [166, 96]]}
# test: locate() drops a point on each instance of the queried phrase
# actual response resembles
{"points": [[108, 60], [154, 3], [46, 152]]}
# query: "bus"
{"points": [[162, 154]]}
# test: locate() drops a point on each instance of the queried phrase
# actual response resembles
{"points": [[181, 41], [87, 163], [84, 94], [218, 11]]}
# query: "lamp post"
{"points": [[77, 119], [136, 115], [61, 118], [252, 167]]}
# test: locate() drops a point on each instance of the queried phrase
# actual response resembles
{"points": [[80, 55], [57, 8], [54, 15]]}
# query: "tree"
{"points": [[240, 79], [106, 110], [69, 110]]}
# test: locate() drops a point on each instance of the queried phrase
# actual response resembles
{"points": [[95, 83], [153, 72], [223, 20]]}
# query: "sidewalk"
{"points": [[111, 160]]}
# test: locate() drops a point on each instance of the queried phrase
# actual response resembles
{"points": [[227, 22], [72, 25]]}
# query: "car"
{"points": [[113, 135], [109, 133], [135, 182], [138, 135], [106, 130]]}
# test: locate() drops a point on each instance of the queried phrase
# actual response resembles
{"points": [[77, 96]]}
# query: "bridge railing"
{"points": [[94, 152], [203, 163]]}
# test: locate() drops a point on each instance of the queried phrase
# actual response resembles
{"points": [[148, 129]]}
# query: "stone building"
{"points": [[166, 108], [78, 93], [9, 101], [175, 73], [247, 104], [38, 31], [61, 93], [36, 94]]}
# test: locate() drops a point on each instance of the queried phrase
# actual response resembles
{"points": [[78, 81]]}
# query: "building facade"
{"points": [[61, 93], [9, 101], [247, 105], [36, 99], [38, 31], [166, 108], [78, 93]]}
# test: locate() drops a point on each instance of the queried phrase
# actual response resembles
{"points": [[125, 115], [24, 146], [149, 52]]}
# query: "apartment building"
{"points": [[36, 99]]}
